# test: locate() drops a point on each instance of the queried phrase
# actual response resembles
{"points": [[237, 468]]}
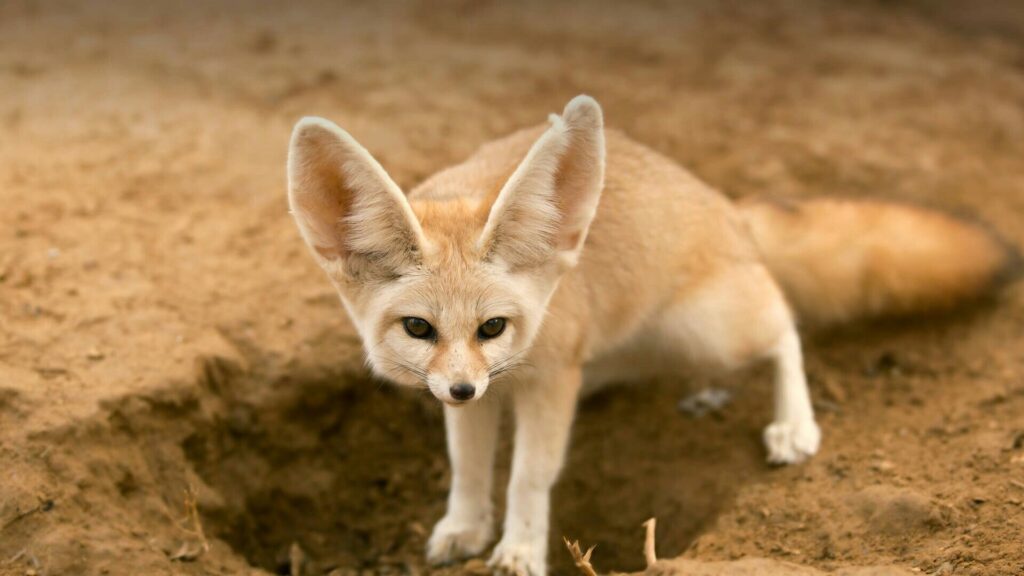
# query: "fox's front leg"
{"points": [[468, 524], [544, 410]]}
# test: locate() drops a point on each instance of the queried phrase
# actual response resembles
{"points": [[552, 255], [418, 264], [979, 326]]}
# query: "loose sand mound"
{"points": [[171, 359]]}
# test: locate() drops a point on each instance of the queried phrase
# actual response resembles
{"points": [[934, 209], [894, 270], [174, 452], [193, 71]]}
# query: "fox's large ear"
{"points": [[348, 209], [544, 210]]}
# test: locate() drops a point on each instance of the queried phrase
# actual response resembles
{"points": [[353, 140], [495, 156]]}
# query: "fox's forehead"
{"points": [[452, 228], [452, 283], [454, 294]]}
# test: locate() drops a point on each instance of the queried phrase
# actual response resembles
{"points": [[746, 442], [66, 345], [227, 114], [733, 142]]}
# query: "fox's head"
{"points": [[447, 293]]}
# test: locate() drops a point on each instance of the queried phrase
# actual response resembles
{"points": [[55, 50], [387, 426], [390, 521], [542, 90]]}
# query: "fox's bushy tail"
{"points": [[840, 259]]}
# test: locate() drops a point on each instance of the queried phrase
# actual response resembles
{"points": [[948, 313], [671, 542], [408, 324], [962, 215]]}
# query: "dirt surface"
{"points": [[167, 346]]}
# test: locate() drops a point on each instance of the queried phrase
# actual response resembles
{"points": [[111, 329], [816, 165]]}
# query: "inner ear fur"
{"points": [[348, 210], [544, 210]]}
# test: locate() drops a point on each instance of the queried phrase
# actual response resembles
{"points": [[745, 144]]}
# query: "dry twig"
{"points": [[45, 505], [193, 513], [582, 559], [296, 559], [191, 550], [649, 554]]}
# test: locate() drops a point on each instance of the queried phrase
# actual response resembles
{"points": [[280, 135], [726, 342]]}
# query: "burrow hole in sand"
{"points": [[355, 473]]}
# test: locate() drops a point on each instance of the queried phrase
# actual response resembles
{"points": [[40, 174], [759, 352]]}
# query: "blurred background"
{"points": [[163, 331]]}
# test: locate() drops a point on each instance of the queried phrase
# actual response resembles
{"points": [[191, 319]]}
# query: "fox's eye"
{"points": [[418, 327], [491, 329]]}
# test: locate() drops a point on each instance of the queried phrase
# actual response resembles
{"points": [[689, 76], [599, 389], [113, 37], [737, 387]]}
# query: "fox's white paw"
{"points": [[791, 442], [518, 559], [454, 540]]}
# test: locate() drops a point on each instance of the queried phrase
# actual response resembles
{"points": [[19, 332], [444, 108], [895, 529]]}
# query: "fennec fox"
{"points": [[553, 259]]}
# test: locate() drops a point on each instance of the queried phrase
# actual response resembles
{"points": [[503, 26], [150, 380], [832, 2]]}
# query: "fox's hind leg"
{"points": [[794, 435], [737, 316]]}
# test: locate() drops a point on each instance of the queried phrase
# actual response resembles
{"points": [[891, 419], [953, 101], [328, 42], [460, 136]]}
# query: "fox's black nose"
{"points": [[462, 391]]}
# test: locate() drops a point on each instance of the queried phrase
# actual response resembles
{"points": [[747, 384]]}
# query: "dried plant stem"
{"points": [[582, 559], [193, 513], [649, 554]]}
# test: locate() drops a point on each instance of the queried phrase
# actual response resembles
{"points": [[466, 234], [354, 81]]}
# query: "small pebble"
{"points": [[705, 401], [883, 466]]}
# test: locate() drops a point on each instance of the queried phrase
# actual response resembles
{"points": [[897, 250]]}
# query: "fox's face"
{"points": [[453, 322], [447, 294]]}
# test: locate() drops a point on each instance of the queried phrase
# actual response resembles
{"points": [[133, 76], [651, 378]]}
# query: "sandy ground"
{"points": [[165, 339]]}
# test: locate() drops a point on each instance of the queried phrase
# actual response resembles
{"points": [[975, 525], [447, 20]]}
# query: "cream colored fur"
{"points": [[596, 250]]}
